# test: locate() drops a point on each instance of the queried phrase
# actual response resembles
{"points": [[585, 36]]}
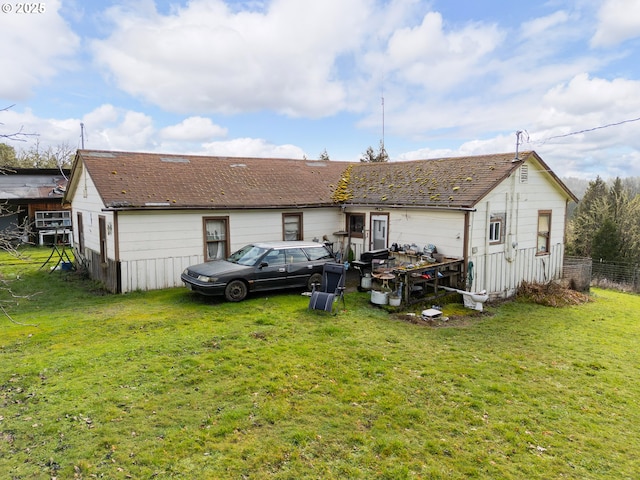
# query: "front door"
{"points": [[379, 231]]}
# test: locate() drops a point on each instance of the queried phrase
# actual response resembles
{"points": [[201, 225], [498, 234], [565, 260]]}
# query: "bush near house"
{"points": [[169, 385]]}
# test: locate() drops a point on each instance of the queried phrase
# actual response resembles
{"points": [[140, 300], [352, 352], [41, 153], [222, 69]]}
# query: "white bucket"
{"points": [[379, 298], [395, 301]]}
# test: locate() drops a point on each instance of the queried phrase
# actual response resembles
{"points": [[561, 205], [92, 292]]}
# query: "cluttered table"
{"points": [[424, 279]]}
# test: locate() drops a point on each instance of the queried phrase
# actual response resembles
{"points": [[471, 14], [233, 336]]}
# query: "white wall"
{"points": [[444, 229], [88, 202], [156, 246], [500, 268]]}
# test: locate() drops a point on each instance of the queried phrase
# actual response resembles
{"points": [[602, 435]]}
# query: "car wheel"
{"points": [[236, 291], [316, 279]]}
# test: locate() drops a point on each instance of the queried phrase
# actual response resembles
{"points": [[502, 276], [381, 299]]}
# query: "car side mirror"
{"points": [[264, 264]]}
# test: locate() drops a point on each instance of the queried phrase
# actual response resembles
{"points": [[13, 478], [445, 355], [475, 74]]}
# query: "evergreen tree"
{"points": [[370, 156], [606, 242], [7, 155], [585, 221], [324, 156], [606, 225]]}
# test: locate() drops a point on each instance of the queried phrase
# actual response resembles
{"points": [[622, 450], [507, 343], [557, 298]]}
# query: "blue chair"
{"points": [[331, 289]]}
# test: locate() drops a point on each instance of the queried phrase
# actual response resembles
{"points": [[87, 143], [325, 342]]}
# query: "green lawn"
{"points": [[170, 385]]}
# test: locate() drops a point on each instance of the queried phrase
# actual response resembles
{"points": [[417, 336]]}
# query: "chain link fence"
{"points": [[580, 273]]}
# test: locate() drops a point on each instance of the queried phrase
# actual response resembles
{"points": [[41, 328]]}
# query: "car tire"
{"points": [[314, 281], [236, 291]]}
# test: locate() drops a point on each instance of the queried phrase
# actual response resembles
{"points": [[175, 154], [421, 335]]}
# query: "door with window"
{"points": [[379, 231]]}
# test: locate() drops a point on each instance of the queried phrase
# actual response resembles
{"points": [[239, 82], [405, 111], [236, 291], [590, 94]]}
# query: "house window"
{"points": [[80, 229], [292, 226], [496, 228], [355, 225], [216, 235], [544, 232], [102, 227]]}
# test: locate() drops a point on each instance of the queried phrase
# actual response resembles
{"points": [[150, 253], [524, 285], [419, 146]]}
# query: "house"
{"points": [[141, 218], [30, 198], [504, 216]]}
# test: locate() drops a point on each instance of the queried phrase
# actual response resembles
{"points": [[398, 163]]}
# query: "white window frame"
{"points": [[496, 228]]}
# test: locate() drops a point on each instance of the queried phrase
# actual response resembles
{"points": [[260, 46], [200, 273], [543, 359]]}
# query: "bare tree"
{"points": [[10, 236], [20, 135], [60, 156]]}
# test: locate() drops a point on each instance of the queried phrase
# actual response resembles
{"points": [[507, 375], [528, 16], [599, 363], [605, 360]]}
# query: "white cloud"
{"points": [[541, 26], [205, 58], [110, 128], [193, 129], [35, 47], [434, 57], [252, 147], [583, 95], [618, 20]]}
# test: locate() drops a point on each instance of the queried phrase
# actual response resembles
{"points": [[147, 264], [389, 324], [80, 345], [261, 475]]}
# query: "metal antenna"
{"points": [[518, 142], [382, 116], [82, 134]]}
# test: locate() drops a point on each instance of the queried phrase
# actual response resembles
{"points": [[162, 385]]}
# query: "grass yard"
{"points": [[166, 384]]}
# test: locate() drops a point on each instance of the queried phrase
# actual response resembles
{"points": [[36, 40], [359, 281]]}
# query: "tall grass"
{"points": [[170, 385]]}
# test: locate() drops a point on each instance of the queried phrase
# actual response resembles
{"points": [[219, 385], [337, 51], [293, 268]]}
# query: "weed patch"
{"points": [[551, 294]]}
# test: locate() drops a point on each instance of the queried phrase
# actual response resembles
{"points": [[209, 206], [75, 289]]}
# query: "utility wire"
{"points": [[542, 142]]}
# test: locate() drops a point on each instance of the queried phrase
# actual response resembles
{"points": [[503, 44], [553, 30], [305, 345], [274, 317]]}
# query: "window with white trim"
{"points": [[496, 228]]}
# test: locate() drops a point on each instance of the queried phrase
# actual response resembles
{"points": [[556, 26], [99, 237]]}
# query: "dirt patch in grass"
{"points": [[551, 294], [456, 320]]}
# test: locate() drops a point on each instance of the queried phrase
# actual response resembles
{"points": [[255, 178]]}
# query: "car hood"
{"points": [[217, 267]]}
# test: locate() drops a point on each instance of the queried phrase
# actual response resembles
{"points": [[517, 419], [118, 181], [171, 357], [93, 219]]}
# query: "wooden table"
{"points": [[449, 272]]}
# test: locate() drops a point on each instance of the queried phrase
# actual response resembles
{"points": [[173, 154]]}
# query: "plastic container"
{"points": [[379, 298]]}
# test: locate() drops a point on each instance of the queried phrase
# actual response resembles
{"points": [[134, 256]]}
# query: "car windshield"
{"points": [[248, 255]]}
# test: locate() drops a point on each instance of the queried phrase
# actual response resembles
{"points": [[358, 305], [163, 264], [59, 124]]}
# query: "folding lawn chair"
{"points": [[331, 289]]}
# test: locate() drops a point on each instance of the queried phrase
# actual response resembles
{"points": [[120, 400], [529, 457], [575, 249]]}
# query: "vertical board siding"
{"points": [[501, 278], [156, 273]]}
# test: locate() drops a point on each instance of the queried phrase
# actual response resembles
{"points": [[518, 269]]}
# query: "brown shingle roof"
{"points": [[459, 182], [148, 180], [134, 180]]}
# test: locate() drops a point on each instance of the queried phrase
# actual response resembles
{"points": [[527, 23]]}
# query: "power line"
{"points": [[589, 130]]}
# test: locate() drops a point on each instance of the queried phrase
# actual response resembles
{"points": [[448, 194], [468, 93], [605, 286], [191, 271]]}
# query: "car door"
{"points": [[299, 269], [271, 271]]}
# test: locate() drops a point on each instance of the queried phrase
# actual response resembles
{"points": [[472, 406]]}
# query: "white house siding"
{"points": [[88, 202], [499, 269], [155, 247], [444, 229]]}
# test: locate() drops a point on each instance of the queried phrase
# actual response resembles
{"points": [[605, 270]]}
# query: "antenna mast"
{"points": [[382, 142], [82, 134], [519, 142]]}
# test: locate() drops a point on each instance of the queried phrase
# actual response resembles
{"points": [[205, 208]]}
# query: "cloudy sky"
{"points": [[291, 78]]}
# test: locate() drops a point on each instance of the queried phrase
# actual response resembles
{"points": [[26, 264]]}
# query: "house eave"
{"points": [[455, 208], [173, 207]]}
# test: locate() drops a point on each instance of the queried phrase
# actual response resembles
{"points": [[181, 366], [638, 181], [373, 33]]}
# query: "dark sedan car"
{"points": [[258, 267]]}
